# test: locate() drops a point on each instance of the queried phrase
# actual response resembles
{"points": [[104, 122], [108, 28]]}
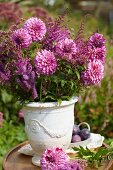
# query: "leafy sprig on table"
{"points": [[94, 158]]}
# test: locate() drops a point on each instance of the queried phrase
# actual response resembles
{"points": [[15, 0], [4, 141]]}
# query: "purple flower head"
{"points": [[96, 41], [82, 54], [10, 12], [74, 165], [66, 48], [55, 33], [98, 53], [21, 38], [5, 77], [5, 74], [45, 62], [83, 163], [54, 158], [1, 119], [96, 47], [36, 28], [93, 73], [23, 67], [26, 76]]}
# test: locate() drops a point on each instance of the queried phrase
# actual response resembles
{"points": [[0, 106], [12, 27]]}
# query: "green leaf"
{"points": [[63, 82], [6, 97], [70, 71], [59, 102], [75, 148], [78, 75], [101, 152], [72, 84], [48, 97], [94, 158]]}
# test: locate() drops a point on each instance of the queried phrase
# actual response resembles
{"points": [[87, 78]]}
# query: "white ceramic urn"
{"points": [[49, 125]]}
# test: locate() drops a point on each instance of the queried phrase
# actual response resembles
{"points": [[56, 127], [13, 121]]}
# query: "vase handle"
{"points": [[85, 123]]}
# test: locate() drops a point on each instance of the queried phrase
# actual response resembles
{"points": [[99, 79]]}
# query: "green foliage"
{"points": [[10, 136], [9, 106], [64, 84], [94, 158]]}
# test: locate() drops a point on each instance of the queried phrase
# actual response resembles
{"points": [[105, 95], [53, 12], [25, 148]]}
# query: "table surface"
{"points": [[17, 161]]}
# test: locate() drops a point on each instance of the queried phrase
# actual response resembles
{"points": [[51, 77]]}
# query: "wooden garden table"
{"points": [[16, 161]]}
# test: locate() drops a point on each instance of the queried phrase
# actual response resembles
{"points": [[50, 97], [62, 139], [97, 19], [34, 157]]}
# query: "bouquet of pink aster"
{"points": [[46, 62]]}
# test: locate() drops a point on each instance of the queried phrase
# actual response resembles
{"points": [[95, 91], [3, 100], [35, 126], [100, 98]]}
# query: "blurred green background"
{"points": [[95, 106]]}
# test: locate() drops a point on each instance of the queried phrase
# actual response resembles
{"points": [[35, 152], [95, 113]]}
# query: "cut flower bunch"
{"points": [[46, 62], [57, 159]]}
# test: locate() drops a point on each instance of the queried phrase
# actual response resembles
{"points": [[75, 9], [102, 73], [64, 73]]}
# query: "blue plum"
{"points": [[84, 134], [76, 138], [76, 130]]}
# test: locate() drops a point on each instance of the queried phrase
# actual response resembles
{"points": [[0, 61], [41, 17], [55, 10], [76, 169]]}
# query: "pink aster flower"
{"points": [[93, 73], [66, 48], [45, 62], [1, 119], [96, 47], [36, 28], [21, 38], [98, 53], [54, 159], [96, 41]]}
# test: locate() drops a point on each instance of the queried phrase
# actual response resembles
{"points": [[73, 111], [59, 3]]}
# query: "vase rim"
{"points": [[52, 104]]}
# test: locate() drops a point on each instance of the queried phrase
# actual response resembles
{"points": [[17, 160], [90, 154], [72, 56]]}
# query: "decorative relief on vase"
{"points": [[34, 125]]}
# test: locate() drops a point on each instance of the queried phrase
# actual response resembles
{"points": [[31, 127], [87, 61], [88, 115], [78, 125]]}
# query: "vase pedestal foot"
{"points": [[36, 160]]}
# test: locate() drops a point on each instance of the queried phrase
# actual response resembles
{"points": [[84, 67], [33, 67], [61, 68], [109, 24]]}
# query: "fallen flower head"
{"points": [[57, 159]]}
